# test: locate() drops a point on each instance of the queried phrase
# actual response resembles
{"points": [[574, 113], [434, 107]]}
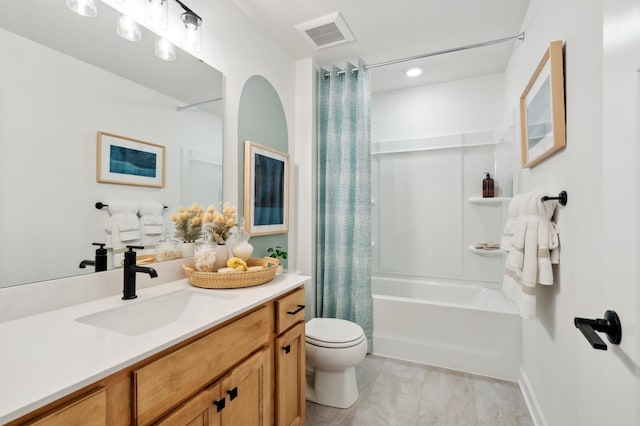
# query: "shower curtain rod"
{"points": [[180, 108], [439, 52]]}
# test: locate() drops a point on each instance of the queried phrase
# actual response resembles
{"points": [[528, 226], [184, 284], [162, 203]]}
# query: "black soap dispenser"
{"points": [[101, 257], [487, 186]]}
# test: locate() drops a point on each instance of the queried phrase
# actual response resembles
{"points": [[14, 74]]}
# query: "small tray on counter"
{"points": [[238, 279]]}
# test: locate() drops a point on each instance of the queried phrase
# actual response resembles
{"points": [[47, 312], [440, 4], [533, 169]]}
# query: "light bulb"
{"points": [[156, 14], [165, 50], [128, 28], [414, 72], [84, 7], [192, 36]]}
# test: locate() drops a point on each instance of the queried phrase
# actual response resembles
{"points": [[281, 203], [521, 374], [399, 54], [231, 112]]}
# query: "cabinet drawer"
{"points": [[90, 409], [162, 384], [289, 310]]}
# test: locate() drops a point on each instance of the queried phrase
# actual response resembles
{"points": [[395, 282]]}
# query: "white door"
{"points": [[620, 371]]}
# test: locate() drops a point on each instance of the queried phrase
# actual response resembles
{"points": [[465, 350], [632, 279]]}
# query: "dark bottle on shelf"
{"points": [[487, 187]]}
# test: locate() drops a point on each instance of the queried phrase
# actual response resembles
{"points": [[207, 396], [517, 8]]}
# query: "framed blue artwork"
{"points": [[266, 190], [128, 161]]}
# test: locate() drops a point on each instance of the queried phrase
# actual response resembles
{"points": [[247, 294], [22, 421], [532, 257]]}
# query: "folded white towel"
{"points": [[512, 215], [123, 227], [531, 239], [151, 222], [124, 207]]}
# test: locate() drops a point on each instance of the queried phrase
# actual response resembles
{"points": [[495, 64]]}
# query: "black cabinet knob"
{"points": [[287, 349], [219, 404], [233, 393]]}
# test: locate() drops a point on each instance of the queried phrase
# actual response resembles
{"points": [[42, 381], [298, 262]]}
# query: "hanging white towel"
{"points": [[151, 222], [533, 246], [122, 227]]}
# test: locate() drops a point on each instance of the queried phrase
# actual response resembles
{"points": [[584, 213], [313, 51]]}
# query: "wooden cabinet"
{"points": [[223, 376], [242, 397], [290, 376], [91, 409], [290, 360], [162, 384], [247, 390]]}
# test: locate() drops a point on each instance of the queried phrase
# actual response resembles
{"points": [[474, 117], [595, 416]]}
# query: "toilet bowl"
{"points": [[333, 349]]}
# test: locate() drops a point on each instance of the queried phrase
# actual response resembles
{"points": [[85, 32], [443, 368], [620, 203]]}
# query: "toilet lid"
{"points": [[333, 333]]}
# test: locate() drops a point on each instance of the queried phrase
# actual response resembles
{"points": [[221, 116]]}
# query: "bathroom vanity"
{"points": [[227, 357]]}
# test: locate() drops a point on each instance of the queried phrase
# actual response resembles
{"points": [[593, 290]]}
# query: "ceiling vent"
{"points": [[327, 31]]}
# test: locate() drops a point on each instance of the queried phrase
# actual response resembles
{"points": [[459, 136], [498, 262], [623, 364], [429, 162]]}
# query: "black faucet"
{"points": [[100, 261], [130, 270]]}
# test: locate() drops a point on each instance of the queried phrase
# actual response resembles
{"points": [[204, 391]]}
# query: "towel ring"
{"points": [[562, 198]]}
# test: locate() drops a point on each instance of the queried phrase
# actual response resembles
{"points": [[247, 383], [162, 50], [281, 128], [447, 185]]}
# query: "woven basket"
{"points": [[233, 279]]}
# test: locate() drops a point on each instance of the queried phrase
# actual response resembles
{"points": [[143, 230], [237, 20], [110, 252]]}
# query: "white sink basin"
{"points": [[141, 316]]}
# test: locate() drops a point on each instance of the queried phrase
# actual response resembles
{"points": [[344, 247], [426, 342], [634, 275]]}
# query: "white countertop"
{"points": [[46, 356]]}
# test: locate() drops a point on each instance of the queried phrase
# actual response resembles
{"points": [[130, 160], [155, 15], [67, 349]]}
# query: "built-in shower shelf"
{"points": [[487, 252], [492, 200]]}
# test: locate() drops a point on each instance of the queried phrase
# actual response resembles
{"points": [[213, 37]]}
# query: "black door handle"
{"points": [[300, 307], [287, 349], [610, 325]]}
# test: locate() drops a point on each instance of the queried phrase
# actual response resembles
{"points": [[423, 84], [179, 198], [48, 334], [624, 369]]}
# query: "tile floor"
{"points": [[399, 393]]}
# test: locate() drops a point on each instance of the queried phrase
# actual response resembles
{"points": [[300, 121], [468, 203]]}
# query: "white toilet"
{"points": [[334, 348]]}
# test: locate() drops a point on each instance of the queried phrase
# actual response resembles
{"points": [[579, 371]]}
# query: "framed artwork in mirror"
{"points": [[128, 161], [266, 190], [542, 109]]}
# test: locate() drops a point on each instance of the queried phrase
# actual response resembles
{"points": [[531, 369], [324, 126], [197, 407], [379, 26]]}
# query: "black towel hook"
{"points": [[562, 198]]}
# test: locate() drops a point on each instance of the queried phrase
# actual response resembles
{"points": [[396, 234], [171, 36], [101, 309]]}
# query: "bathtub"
{"points": [[458, 325]]}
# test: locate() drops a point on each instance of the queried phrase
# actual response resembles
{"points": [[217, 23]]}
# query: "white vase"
{"points": [[242, 249], [222, 255], [186, 249]]}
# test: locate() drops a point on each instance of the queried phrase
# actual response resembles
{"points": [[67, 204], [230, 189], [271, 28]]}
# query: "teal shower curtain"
{"points": [[343, 278]]}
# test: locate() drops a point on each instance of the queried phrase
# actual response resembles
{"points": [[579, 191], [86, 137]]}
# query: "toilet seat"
{"points": [[333, 333]]}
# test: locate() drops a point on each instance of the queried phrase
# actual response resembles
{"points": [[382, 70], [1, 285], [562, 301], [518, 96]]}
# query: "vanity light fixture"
{"points": [[414, 72], [128, 28], [156, 14], [84, 7], [165, 50], [192, 23]]}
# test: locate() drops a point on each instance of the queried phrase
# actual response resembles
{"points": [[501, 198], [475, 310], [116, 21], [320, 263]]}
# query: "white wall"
{"points": [[460, 106], [303, 151], [566, 381], [423, 222], [52, 105]]}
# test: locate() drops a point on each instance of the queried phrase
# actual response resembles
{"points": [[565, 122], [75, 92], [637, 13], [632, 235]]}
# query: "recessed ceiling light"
{"points": [[414, 72]]}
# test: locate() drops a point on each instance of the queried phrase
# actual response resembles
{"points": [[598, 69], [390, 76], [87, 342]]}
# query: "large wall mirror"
{"points": [[63, 79]]}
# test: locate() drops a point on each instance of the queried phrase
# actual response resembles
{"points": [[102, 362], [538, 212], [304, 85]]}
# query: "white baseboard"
{"points": [[532, 402]]}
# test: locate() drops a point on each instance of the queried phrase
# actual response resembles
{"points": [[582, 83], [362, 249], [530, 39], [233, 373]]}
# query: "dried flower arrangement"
{"points": [[218, 224], [189, 223]]}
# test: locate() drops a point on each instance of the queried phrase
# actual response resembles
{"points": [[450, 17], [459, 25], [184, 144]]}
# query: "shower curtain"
{"points": [[343, 278]]}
